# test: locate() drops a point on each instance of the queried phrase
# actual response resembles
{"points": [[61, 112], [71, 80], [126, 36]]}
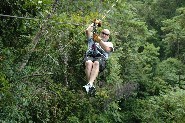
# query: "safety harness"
{"points": [[95, 50]]}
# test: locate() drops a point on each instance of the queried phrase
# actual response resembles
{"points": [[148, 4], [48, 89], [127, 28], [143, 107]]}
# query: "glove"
{"points": [[96, 38], [98, 22]]}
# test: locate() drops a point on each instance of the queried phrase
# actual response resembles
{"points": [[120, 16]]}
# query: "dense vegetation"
{"points": [[42, 44]]}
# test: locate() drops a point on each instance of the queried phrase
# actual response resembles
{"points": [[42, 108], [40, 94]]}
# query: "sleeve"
{"points": [[110, 44]]}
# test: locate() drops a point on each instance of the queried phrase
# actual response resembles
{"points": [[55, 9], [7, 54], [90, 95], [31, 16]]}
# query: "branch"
{"points": [[38, 36]]}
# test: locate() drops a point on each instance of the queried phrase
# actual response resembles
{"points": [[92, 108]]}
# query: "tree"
{"points": [[175, 35]]}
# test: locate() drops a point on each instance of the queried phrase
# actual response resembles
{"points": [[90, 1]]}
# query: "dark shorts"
{"points": [[101, 60]]}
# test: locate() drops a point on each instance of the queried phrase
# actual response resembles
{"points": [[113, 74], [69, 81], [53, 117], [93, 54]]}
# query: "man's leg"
{"points": [[91, 70], [88, 69], [94, 72]]}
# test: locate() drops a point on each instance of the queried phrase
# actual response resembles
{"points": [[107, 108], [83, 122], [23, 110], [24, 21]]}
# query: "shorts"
{"points": [[100, 59]]}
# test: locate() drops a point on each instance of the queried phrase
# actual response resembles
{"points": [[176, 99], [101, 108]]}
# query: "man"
{"points": [[98, 52]]}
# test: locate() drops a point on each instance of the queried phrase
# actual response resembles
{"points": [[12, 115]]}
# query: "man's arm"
{"points": [[89, 31], [106, 46]]}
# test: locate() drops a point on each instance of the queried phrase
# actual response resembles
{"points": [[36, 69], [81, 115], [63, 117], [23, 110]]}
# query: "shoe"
{"points": [[87, 87], [92, 91]]}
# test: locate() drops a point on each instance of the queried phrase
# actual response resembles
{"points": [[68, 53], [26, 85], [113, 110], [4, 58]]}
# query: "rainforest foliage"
{"points": [[42, 45]]}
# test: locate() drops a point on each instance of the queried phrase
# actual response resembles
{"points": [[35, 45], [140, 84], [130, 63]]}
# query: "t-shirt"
{"points": [[96, 48]]}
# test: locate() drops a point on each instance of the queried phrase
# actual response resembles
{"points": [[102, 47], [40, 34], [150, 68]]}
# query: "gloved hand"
{"points": [[96, 38], [98, 22]]}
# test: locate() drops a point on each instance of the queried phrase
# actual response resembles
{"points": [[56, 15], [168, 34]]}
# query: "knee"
{"points": [[96, 63], [88, 63]]}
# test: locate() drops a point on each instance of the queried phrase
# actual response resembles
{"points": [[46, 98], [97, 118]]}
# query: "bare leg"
{"points": [[88, 68], [94, 72]]}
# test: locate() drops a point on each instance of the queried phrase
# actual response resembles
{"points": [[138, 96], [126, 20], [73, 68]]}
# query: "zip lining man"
{"points": [[98, 52]]}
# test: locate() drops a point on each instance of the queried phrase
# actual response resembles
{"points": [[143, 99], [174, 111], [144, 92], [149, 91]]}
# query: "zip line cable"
{"points": [[36, 19], [82, 31], [27, 18], [104, 16], [109, 10], [102, 19]]}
